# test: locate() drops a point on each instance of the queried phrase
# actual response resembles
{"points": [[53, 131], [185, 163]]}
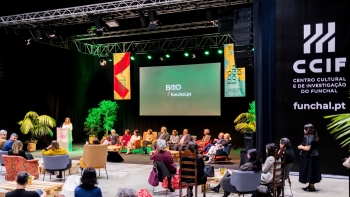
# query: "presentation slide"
{"points": [[181, 90]]}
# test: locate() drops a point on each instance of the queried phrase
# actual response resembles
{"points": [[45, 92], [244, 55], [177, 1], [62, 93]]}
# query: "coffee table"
{"points": [[114, 148], [51, 188]]}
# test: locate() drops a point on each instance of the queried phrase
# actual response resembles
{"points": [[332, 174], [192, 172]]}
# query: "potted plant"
{"points": [[92, 123], [36, 126], [108, 110], [340, 127], [246, 122]]}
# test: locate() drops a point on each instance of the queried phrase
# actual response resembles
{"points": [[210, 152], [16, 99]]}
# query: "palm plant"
{"points": [[246, 122], [340, 127], [36, 125]]}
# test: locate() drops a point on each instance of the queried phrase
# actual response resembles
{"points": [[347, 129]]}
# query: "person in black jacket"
{"points": [[201, 177], [286, 145], [212, 151], [17, 150]]}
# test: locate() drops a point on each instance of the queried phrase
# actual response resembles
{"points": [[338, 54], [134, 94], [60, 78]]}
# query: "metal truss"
{"points": [[159, 45], [117, 10], [160, 29]]}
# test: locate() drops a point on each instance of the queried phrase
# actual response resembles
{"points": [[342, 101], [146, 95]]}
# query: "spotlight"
{"points": [[99, 28], [220, 51], [38, 35], [167, 55], [50, 32], [153, 21], [149, 57], [162, 59], [103, 62], [186, 54], [194, 56], [206, 52], [28, 41], [112, 23], [132, 58]]}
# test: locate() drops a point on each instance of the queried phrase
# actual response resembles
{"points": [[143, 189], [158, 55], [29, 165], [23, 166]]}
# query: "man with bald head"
{"points": [[184, 139]]}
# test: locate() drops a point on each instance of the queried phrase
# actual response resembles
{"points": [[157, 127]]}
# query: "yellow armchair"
{"points": [[144, 137]]}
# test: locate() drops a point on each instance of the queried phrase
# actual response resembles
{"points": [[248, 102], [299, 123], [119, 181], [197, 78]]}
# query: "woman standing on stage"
{"points": [[68, 125], [309, 171]]}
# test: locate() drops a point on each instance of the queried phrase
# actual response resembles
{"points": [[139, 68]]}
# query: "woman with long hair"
{"points": [[88, 187], [54, 149], [17, 150], [253, 164], [267, 169], [309, 171]]}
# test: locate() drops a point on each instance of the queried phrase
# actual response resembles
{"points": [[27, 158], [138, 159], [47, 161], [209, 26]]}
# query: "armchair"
{"points": [[1, 160], [242, 182], [144, 137], [95, 156], [137, 145], [57, 163], [223, 153], [15, 164]]}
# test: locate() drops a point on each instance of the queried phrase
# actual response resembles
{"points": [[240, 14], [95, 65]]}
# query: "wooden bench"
{"points": [[51, 188]]}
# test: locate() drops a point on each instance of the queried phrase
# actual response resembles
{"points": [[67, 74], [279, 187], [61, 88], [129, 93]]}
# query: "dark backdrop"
{"points": [[62, 83]]}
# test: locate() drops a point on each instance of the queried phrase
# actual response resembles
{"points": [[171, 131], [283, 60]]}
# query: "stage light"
{"points": [[132, 58], [103, 62], [220, 51], [149, 57], [186, 54], [253, 49], [206, 52], [167, 55], [110, 60]]}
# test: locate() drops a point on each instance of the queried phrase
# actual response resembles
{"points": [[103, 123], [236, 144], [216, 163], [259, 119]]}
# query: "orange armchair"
{"points": [[16, 164]]}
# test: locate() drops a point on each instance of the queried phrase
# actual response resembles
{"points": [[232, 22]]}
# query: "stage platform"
{"points": [[140, 158]]}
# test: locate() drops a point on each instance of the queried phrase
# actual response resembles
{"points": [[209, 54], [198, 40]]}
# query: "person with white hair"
{"points": [[126, 192], [3, 136], [166, 158]]}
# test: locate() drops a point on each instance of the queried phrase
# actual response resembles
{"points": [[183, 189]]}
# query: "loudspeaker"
{"points": [[248, 141], [142, 18], [225, 20], [152, 15], [114, 156]]}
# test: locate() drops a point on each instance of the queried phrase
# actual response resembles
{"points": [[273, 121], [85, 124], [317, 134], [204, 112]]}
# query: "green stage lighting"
{"points": [[220, 51], [186, 54], [110, 60], [149, 57], [206, 52], [167, 55], [132, 58]]}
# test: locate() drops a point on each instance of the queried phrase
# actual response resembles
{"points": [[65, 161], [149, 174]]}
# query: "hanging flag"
{"points": [[121, 63], [234, 77]]}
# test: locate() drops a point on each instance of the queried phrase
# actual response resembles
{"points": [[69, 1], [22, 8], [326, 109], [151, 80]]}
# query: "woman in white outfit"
{"points": [[68, 125], [212, 151], [134, 137]]}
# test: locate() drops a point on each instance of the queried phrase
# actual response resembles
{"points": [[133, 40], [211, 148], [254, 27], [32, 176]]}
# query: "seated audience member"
{"points": [[253, 164], [126, 138], [201, 177], [125, 192], [22, 182], [162, 135], [54, 149], [148, 140], [3, 136], [17, 150], [262, 192], [9, 142], [94, 142], [88, 187], [166, 158], [220, 138], [206, 138], [267, 168], [174, 139], [134, 138], [286, 145], [212, 151], [113, 139], [183, 141]]}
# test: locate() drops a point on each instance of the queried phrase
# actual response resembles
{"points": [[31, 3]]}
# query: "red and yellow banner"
{"points": [[121, 63]]}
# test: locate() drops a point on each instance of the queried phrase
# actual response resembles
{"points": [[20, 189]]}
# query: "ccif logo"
{"points": [[322, 63]]}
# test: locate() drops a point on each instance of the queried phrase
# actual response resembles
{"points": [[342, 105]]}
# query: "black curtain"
{"points": [[264, 46]]}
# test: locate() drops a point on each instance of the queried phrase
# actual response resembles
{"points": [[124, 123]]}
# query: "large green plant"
{"points": [[36, 125], [101, 118], [246, 122]]}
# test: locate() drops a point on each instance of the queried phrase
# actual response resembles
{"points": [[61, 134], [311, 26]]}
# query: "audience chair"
{"points": [[278, 172], [95, 156], [57, 163], [1, 160], [184, 171], [223, 153], [242, 182], [154, 137], [16, 164], [137, 145], [162, 173]]}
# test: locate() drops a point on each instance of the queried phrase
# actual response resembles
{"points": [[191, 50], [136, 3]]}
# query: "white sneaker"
{"points": [[127, 153]]}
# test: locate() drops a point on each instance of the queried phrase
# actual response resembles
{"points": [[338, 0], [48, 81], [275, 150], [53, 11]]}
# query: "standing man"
{"points": [[162, 135], [3, 136], [184, 139], [22, 182], [8, 143]]}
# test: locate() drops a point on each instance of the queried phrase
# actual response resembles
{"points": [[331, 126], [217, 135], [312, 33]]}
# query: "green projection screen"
{"points": [[182, 90]]}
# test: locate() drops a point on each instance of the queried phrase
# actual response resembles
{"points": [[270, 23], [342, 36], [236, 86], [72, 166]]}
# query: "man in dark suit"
{"points": [[184, 139], [162, 135]]}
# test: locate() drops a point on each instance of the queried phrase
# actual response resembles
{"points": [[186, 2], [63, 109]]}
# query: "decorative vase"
{"points": [[31, 147]]}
